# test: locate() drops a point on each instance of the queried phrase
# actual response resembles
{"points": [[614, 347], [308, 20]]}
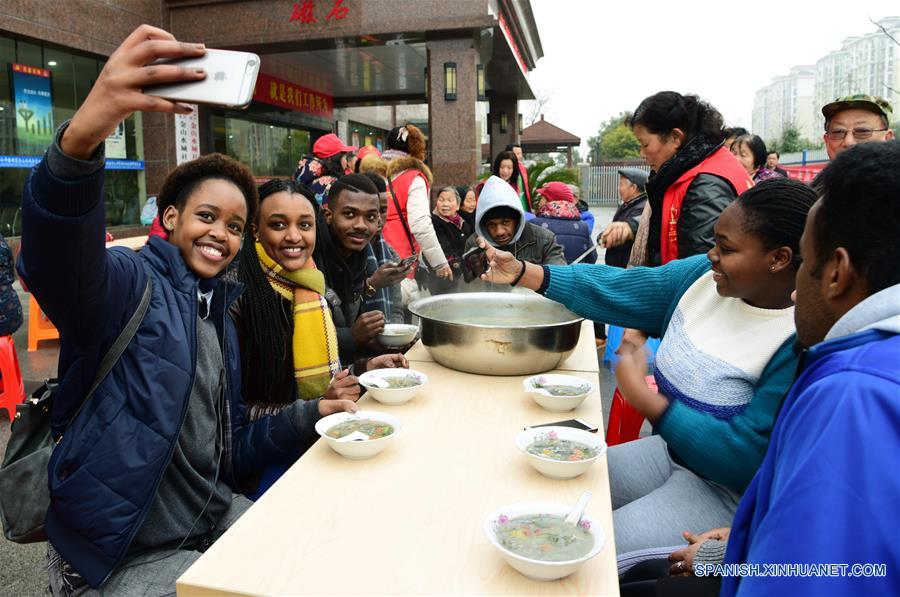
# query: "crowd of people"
{"points": [[777, 302]]}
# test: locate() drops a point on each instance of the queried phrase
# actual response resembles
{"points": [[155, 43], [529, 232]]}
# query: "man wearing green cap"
{"points": [[856, 119]]}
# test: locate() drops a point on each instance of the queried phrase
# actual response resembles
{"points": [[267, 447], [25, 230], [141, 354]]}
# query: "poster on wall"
{"points": [[115, 143], [34, 108], [187, 136]]}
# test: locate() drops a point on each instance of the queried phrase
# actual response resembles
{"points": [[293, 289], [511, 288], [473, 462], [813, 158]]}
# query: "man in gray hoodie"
{"points": [[500, 220]]}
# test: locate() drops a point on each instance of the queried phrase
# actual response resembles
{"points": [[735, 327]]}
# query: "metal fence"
{"points": [[600, 184], [812, 155]]}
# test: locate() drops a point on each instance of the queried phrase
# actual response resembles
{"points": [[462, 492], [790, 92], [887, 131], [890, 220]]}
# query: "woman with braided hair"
{"points": [[289, 345], [725, 361]]}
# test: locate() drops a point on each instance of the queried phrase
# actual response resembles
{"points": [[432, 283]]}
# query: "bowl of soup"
{"points": [[397, 335], [557, 393], [560, 452], [393, 386], [533, 539], [344, 432]]}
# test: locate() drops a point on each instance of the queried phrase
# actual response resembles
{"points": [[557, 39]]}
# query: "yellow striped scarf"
{"points": [[315, 347]]}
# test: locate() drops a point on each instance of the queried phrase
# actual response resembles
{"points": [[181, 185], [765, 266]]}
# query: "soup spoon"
{"points": [[376, 382], [576, 512], [356, 436]]}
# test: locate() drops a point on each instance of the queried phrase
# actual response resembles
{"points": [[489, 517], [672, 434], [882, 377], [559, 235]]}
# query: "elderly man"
{"points": [[619, 234], [856, 119]]}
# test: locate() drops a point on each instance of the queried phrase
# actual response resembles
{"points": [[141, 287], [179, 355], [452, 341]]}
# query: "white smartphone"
{"points": [[230, 79]]}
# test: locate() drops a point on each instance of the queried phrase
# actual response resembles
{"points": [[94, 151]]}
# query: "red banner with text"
{"points": [[284, 94]]}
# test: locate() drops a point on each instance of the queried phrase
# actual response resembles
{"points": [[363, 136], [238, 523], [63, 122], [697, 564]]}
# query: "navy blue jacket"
{"points": [[574, 236], [106, 469]]}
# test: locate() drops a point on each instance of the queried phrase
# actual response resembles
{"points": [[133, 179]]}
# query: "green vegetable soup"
{"points": [[561, 449], [374, 429], [544, 537]]}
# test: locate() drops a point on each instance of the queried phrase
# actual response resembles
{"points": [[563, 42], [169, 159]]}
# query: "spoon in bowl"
{"points": [[356, 436], [376, 382], [574, 516]]}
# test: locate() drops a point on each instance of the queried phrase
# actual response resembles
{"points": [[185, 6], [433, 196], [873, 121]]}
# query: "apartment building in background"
{"points": [[868, 63]]}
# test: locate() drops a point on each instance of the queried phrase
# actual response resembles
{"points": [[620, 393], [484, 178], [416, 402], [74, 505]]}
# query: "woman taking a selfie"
{"points": [[143, 474]]}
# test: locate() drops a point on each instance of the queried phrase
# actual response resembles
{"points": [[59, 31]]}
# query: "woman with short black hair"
{"points": [[750, 150], [693, 177]]}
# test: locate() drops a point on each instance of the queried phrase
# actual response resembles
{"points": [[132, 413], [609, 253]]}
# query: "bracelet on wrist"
{"points": [[521, 273]]}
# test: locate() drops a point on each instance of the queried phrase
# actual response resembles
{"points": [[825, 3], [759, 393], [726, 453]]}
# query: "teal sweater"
{"points": [[727, 451]]}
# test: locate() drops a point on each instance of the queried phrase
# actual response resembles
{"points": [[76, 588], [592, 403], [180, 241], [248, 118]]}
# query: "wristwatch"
{"points": [[369, 290]]}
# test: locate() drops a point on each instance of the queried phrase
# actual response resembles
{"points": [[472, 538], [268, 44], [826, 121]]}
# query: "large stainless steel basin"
{"points": [[497, 333]]}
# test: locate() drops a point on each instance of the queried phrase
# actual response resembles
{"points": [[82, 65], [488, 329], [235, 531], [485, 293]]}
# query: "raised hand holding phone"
{"points": [[231, 77], [118, 90]]}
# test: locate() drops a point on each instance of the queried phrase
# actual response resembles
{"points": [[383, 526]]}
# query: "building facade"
{"points": [[353, 67], [867, 63], [786, 100]]}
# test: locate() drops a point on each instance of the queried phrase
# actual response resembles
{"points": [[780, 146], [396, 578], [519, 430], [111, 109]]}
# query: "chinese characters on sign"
{"points": [[187, 136], [304, 12], [284, 94]]}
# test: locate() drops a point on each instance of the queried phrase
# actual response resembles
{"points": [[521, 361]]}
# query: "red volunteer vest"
{"points": [[721, 163], [394, 232]]}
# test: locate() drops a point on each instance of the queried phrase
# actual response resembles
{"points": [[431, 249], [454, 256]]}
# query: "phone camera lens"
{"points": [[251, 63]]}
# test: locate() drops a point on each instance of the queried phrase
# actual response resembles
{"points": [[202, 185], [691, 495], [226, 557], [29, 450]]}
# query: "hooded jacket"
{"points": [[831, 466], [529, 242]]}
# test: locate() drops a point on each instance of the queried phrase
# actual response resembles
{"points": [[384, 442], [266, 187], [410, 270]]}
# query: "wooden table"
{"points": [[132, 242], [409, 521]]}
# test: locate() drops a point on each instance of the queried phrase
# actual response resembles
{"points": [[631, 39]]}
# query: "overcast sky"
{"points": [[601, 58]]}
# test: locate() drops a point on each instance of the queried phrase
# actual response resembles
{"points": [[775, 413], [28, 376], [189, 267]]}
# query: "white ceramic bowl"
{"points": [[392, 395], [397, 335], [358, 450], [557, 404], [537, 569], [560, 469]]}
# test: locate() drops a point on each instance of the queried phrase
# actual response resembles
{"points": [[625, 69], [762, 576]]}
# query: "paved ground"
{"points": [[23, 567]]}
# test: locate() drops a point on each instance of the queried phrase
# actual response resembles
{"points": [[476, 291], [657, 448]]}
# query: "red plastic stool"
{"points": [[12, 391], [39, 326], [624, 420]]}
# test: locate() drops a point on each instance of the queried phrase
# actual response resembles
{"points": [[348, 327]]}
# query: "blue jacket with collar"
{"points": [[828, 488], [106, 469]]}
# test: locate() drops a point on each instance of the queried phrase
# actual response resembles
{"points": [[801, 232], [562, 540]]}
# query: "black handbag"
{"points": [[24, 495], [422, 273]]}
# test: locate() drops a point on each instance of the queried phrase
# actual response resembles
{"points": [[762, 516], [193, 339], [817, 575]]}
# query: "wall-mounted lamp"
{"points": [[479, 83], [450, 81], [504, 122], [521, 122]]}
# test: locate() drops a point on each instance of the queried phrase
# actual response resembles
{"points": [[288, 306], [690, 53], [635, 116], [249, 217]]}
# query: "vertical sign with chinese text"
{"points": [[115, 143], [187, 136], [33, 101]]}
